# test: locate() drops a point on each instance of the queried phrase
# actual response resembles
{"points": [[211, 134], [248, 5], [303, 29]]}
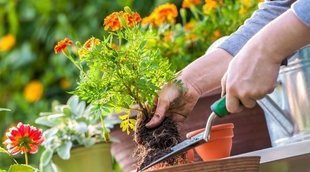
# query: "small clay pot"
{"points": [[219, 145]]}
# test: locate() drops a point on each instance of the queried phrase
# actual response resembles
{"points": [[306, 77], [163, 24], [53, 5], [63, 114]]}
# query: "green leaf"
{"points": [[2, 150], [67, 111], [21, 168], [44, 121], [46, 157], [73, 101], [4, 109], [64, 150], [2, 170]]}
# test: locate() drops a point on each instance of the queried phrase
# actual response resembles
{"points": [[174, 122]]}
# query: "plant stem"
{"points": [[105, 132], [26, 158]]}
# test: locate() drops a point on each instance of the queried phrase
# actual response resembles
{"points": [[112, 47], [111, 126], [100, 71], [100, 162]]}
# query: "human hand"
{"points": [[253, 72], [250, 76], [200, 77], [175, 100]]}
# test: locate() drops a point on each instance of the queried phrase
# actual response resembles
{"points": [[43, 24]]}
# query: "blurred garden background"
{"points": [[32, 76]]}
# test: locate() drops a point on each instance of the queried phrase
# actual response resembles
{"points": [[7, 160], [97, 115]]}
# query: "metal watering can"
{"points": [[287, 109]]}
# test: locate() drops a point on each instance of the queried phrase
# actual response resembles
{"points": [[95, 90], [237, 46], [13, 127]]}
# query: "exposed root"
{"points": [[154, 143]]}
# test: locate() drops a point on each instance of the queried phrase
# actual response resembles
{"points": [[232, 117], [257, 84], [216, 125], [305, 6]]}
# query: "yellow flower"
{"points": [[246, 3], [65, 83], [191, 37], [7, 42], [33, 91], [242, 11], [165, 13], [209, 6]]}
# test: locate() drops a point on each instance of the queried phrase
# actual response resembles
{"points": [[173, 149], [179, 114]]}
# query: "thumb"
{"points": [[159, 115]]}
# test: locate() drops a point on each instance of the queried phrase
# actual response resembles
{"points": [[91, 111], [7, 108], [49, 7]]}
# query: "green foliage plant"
{"points": [[201, 23], [121, 72], [71, 125]]}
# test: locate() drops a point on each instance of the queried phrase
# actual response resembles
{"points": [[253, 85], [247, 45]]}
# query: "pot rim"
{"points": [[215, 128]]}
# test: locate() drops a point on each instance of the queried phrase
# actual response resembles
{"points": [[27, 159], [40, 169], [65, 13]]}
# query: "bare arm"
{"points": [[253, 72]]}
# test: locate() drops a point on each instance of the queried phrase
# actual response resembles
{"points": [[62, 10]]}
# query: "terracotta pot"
{"points": [[96, 158], [220, 142]]}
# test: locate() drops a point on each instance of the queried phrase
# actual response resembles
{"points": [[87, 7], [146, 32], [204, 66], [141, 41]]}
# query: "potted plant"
{"points": [[75, 139], [21, 139], [123, 72]]}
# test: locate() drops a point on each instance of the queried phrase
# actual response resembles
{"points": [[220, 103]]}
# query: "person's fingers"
{"points": [[178, 117], [223, 85], [155, 121], [233, 104], [159, 115], [248, 102]]}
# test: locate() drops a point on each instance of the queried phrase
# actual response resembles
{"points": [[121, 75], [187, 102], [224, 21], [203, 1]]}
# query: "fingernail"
{"points": [[149, 124]]}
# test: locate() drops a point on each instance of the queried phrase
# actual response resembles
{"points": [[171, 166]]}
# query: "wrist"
{"points": [[204, 74]]}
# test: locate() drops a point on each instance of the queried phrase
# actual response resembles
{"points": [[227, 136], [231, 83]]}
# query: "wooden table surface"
{"points": [[240, 164]]}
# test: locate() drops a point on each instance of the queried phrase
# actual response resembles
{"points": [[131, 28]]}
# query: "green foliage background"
{"points": [[37, 26]]}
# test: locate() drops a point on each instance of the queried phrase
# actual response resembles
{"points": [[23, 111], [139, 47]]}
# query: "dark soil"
{"points": [[154, 143]]}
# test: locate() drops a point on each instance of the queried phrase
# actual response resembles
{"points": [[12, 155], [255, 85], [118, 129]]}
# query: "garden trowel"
{"points": [[218, 110]]}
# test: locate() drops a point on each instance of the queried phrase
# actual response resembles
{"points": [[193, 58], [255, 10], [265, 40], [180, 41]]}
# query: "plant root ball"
{"points": [[156, 142]]}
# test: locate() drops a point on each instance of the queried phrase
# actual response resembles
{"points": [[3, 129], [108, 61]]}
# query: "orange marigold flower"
{"points": [[190, 25], [33, 91], [113, 21], [65, 83], [209, 6], [165, 13], [132, 19], [148, 20], [189, 3], [91, 42], [62, 45], [7, 42], [88, 45], [216, 34], [23, 139]]}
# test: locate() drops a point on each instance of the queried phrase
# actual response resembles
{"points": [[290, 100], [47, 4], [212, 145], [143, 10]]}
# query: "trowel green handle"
{"points": [[219, 107]]}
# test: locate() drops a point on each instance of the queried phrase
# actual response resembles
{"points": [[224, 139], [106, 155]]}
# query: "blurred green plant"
{"points": [[201, 23], [30, 74], [70, 125]]}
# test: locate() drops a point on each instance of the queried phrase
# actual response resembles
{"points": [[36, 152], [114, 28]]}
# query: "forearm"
{"points": [[282, 37], [205, 73], [267, 12]]}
